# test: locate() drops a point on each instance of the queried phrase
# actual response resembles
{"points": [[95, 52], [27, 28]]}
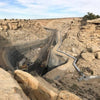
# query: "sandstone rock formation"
{"points": [[36, 86], [95, 21], [39, 89], [13, 25], [16, 31], [9, 88]]}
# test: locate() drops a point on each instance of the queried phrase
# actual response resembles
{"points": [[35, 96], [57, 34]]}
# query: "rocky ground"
{"points": [[80, 41], [87, 90]]}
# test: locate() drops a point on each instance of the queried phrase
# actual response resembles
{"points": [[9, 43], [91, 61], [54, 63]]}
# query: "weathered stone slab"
{"points": [[37, 87], [9, 88]]}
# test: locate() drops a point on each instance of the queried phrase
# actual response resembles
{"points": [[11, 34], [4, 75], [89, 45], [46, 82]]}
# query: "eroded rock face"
{"points": [[60, 71], [95, 21], [9, 88], [22, 31], [89, 34], [13, 25], [56, 59]]}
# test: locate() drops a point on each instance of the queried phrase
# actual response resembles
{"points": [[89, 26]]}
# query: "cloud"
{"points": [[2, 4], [50, 8], [81, 6]]}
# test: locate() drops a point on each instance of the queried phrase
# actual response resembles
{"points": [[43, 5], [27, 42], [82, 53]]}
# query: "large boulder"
{"points": [[9, 88], [36, 87]]}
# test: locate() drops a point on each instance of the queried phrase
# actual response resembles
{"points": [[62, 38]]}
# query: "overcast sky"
{"points": [[37, 9]]}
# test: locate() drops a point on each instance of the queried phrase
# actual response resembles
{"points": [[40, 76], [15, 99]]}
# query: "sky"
{"points": [[41, 9]]}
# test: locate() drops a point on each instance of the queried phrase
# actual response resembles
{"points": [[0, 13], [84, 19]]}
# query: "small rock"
{"points": [[93, 49], [98, 55], [9, 88]]}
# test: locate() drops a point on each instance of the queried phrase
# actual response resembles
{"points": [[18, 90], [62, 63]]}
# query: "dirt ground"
{"points": [[87, 90]]}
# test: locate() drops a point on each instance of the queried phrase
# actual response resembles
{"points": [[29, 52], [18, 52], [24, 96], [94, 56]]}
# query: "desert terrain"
{"points": [[46, 59]]}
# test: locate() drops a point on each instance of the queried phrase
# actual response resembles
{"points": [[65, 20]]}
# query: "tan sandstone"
{"points": [[13, 26], [1, 27], [93, 48], [9, 88], [98, 55], [39, 89], [88, 56], [5, 27], [94, 21]]}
